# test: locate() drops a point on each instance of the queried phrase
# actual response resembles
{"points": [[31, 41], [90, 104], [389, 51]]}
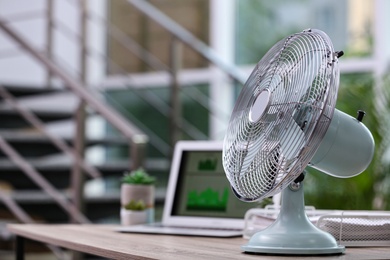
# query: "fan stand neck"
{"points": [[292, 233]]}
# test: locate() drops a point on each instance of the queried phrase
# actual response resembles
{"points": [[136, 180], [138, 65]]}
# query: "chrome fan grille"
{"points": [[298, 82]]}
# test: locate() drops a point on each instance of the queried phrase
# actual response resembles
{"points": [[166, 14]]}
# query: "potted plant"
{"points": [[137, 197]]}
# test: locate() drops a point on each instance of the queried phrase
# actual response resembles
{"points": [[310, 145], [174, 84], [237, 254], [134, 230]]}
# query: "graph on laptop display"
{"points": [[208, 199], [203, 188]]}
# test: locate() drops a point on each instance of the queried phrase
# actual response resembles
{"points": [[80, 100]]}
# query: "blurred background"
{"points": [[90, 89]]}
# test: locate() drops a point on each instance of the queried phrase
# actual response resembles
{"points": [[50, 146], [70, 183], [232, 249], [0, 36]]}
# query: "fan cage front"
{"points": [[301, 74]]}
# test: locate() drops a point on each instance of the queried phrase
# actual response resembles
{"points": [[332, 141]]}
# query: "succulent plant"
{"points": [[139, 176], [135, 205]]}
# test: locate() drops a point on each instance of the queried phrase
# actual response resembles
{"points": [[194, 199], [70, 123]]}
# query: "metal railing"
{"points": [[137, 138], [179, 36], [131, 132]]}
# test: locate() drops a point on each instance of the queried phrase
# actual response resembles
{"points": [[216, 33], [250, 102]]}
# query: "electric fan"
{"points": [[284, 120]]}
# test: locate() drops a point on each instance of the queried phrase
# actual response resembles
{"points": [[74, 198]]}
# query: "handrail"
{"points": [[186, 37], [137, 138]]}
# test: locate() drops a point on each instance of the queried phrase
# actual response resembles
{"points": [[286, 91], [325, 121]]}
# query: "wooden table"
{"points": [[103, 240]]}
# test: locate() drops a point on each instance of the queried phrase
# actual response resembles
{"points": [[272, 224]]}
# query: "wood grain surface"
{"points": [[103, 240]]}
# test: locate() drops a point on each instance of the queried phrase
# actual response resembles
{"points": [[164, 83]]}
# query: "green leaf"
{"points": [[138, 176]]}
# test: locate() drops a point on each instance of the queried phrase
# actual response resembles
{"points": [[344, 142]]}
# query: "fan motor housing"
{"points": [[347, 148]]}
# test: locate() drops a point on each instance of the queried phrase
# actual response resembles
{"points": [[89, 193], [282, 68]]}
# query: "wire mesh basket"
{"points": [[358, 229]]}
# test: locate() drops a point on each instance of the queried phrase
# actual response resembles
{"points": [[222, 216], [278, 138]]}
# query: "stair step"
{"points": [[40, 197], [58, 173], [35, 137], [35, 144], [99, 208], [12, 119], [47, 105], [23, 91], [47, 165], [41, 113]]}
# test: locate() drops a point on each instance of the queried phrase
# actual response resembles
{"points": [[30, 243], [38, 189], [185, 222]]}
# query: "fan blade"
{"points": [[291, 140]]}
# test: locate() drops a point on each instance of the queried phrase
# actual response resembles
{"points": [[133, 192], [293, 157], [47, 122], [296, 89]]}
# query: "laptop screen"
{"points": [[203, 189]]}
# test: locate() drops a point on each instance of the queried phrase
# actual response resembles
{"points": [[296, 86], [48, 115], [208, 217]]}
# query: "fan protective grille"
{"points": [[297, 84]]}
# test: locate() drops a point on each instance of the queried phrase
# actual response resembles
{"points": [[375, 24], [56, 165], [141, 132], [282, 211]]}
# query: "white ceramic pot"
{"points": [[132, 192], [133, 217], [145, 193]]}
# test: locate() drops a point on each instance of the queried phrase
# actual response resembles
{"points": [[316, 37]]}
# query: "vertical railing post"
{"points": [[176, 109], [137, 152], [49, 37], [77, 175]]}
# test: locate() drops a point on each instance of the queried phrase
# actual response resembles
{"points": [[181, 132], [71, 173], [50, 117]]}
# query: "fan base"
{"points": [[293, 251], [307, 241], [292, 232], [287, 250]]}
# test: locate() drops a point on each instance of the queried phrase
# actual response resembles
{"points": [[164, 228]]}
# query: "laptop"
{"points": [[199, 200]]}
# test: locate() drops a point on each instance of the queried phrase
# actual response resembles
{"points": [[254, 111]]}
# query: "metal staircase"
{"points": [[42, 168]]}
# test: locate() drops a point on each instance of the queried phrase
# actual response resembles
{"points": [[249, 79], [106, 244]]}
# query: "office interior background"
{"points": [[90, 89]]}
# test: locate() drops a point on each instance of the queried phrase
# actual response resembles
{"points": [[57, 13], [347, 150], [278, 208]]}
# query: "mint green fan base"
{"points": [[292, 233]]}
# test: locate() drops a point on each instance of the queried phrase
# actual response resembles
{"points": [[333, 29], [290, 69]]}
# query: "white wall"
{"points": [[222, 20]]}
